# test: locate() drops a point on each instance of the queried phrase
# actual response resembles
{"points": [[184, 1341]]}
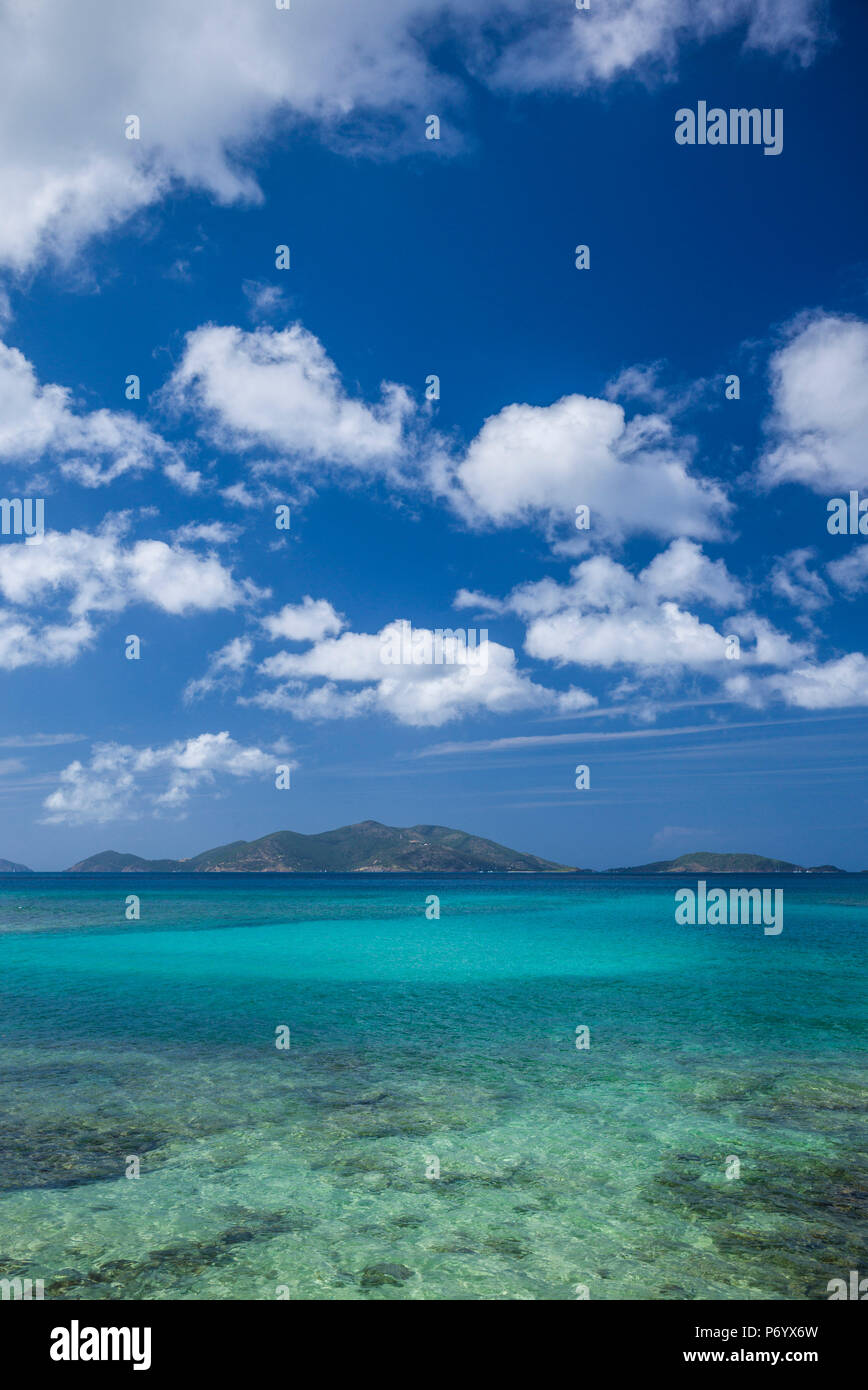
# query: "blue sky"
{"points": [[558, 387]]}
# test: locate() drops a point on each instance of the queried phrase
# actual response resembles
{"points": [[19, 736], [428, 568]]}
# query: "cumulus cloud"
{"points": [[836, 684], [685, 572], [100, 572], [40, 422], [819, 420], [365, 673], [608, 618], [280, 392], [308, 621], [24, 642], [662, 637], [538, 463], [123, 781], [278, 398], [208, 82]]}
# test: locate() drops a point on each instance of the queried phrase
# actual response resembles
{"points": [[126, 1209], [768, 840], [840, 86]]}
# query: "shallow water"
{"points": [[414, 1040]]}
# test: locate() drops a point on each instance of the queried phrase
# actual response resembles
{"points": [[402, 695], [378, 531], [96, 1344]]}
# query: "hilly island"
{"points": [[370, 847]]}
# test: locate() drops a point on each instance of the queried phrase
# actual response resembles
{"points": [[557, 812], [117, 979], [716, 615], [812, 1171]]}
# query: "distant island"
{"points": [[373, 848], [7, 867], [706, 862], [368, 847]]}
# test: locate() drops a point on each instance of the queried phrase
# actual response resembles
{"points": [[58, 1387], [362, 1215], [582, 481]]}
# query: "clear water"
{"points": [[412, 1040]]}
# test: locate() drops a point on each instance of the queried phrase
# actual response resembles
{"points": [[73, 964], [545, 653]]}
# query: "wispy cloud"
{"points": [[39, 740], [521, 741]]}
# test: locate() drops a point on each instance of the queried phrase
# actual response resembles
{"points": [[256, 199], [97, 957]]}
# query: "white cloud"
{"points": [[224, 670], [213, 532], [211, 82], [793, 579], [836, 684], [850, 573], [266, 300], [606, 42], [770, 646], [482, 604], [663, 637], [241, 496], [308, 621], [39, 740], [684, 571], [276, 395], [819, 421], [25, 643], [97, 572], [606, 617], [189, 480], [101, 573], [637, 383], [177, 580], [279, 391], [475, 677], [91, 447], [538, 463], [99, 792], [123, 781], [322, 702]]}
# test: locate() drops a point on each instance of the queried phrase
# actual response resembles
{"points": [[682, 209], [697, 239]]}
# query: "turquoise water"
{"points": [[415, 1040]]}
